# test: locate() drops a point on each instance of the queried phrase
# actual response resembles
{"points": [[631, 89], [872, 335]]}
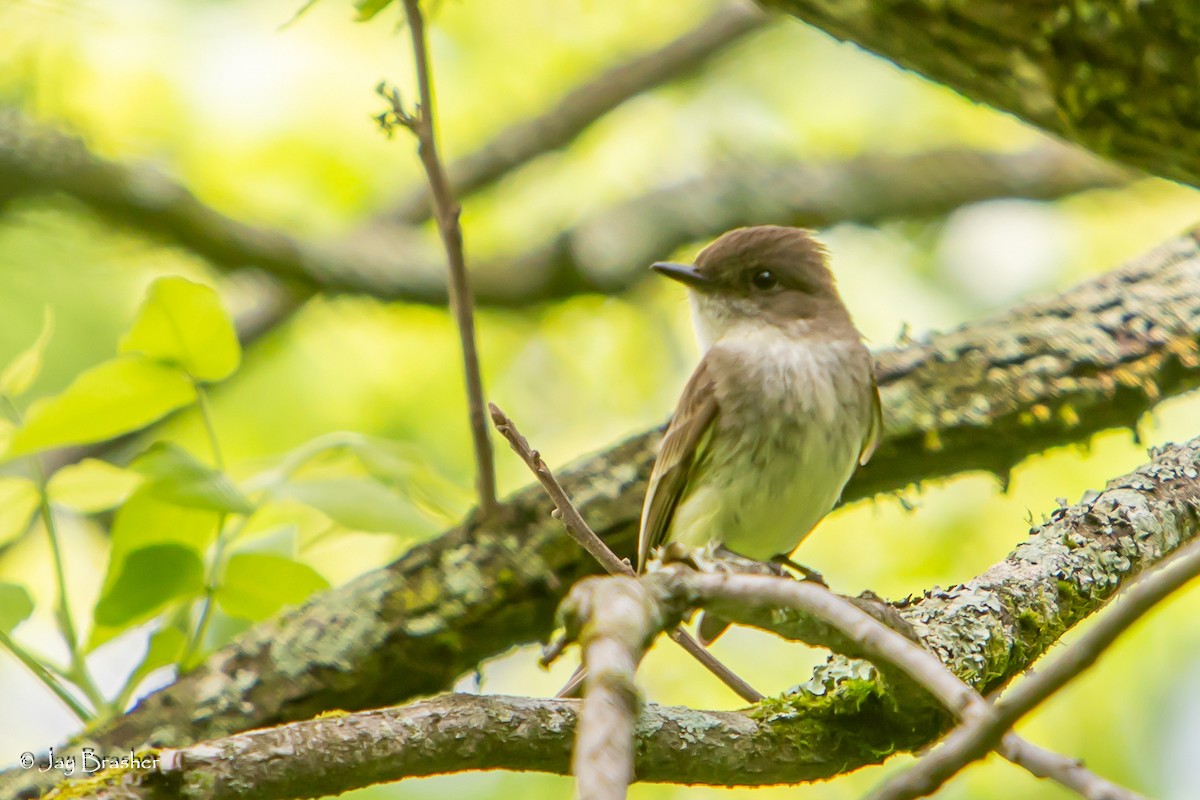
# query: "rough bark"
{"points": [[1119, 78], [403, 263], [988, 631], [983, 396]]}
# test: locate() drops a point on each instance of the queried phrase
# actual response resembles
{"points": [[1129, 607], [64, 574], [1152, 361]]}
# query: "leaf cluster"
{"points": [[188, 540]]}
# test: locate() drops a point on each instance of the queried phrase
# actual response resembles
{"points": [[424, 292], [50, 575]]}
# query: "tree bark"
{"points": [[1118, 78]]}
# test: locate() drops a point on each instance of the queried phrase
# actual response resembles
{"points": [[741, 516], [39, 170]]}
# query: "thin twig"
{"points": [[885, 647], [972, 740], [196, 639], [581, 532], [576, 111], [447, 211]]}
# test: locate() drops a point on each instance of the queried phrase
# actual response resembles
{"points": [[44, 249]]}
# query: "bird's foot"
{"points": [[806, 573], [702, 559]]}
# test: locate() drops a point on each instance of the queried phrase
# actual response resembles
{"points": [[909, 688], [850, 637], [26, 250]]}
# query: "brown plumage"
{"points": [[778, 412]]}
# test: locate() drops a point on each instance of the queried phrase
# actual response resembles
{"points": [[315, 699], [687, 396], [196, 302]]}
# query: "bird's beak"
{"points": [[684, 273]]}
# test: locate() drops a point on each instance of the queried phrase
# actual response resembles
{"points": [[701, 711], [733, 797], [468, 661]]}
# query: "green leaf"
{"points": [[402, 467], [92, 486], [357, 504], [165, 647], [110, 399], [257, 585], [18, 502], [183, 323], [176, 476], [369, 8], [150, 578], [144, 520], [23, 370], [277, 540], [15, 606]]}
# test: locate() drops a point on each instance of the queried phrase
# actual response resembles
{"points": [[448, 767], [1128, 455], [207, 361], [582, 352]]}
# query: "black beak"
{"points": [[684, 273]]}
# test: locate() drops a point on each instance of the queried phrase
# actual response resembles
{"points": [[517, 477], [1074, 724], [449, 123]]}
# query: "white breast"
{"points": [[794, 414]]}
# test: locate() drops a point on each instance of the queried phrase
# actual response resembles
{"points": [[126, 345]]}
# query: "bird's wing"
{"points": [[693, 418], [875, 428]]}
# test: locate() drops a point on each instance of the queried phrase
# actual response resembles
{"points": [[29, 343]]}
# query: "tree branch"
{"points": [[972, 740], [912, 674], [981, 397], [578, 109], [401, 263], [1119, 79], [605, 251], [448, 211]]}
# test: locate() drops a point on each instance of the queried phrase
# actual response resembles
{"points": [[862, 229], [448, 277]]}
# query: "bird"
{"points": [[781, 410]]}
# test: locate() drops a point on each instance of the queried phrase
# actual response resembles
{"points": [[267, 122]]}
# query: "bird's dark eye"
{"points": [[764, 280]]}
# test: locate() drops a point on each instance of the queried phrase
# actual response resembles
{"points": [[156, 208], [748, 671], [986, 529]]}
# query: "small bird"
{"points": [[780, 411]]}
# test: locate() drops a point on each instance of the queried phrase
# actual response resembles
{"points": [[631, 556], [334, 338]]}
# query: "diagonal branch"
{"points": [[983, 396], [578, 109], [607, 249]]}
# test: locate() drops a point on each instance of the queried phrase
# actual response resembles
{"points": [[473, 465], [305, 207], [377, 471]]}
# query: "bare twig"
{"points": [[565, 510], [582, 533], [447, 211], [973, 739], [583, 105]]}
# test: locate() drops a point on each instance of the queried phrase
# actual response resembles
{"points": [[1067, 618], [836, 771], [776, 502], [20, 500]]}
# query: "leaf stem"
{"points": [[206, 418], [78, 671], [45, 677], [214, 565]]}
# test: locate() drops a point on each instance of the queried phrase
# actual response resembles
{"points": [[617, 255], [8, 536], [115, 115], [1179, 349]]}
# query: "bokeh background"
{"points": [[271, 124]]}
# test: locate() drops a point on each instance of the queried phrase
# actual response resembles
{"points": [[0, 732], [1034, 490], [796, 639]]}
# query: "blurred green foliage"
{"points": [[273, 127]]}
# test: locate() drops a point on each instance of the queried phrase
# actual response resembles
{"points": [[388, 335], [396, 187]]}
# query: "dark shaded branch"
{"points": [[608, 249], [1119, 79], [981, 397], [402, 263], [578, 109]]}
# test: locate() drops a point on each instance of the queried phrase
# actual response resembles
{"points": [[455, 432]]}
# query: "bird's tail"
{"points": [[710, 627]]}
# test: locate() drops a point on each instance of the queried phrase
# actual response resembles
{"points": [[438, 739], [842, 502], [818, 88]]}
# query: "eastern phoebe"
{"points": [[781, 410]]}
